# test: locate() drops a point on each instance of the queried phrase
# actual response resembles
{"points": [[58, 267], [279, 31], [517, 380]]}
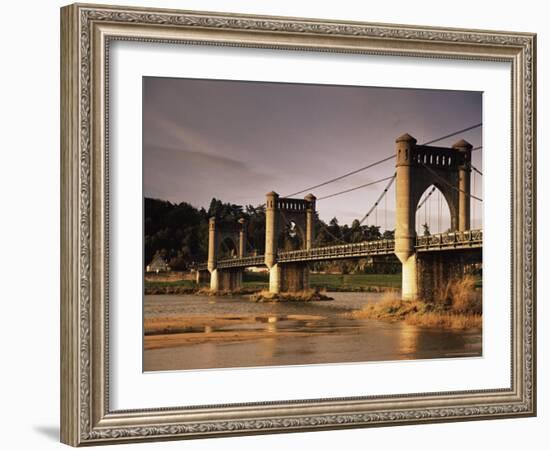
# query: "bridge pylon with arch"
{"points": [[417, 168], [224, 279]]}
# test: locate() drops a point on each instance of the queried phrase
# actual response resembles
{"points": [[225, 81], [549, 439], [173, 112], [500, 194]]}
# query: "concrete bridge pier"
{"points": [[290, 277], [202, 276], [409, 281], [226, 280], [436, 270], [427, 275]]}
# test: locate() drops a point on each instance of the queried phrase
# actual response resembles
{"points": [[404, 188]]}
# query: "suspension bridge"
{"points": [[428, 261]]}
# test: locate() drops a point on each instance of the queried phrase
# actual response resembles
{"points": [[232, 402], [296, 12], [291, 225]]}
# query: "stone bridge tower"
{"points": [[417, 168], [225, 279], [283, 214]]}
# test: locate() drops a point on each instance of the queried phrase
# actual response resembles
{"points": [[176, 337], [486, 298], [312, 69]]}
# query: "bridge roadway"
{"points": [[457, 240]]}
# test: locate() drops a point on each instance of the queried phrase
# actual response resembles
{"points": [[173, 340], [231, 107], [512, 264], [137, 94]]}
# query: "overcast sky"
{"points": [[238, 140]]}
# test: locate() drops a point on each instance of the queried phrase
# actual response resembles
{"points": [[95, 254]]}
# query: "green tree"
{"points": [[388, 234], [356, 232]]}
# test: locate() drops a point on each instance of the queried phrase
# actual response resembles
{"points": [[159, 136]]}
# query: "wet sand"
{"points": [[172, 331]]}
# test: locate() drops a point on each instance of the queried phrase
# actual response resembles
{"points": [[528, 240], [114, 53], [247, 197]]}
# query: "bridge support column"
{"points": [[275, 279], [405, 233], [464, 171], [212, 244], [242, 238], [409, 282], [291, 277], [310, 226], [202, 276], [229, 280], [271, 226]]}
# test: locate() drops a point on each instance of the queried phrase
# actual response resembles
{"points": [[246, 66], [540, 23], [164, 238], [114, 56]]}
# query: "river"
{"points": [[223, 332]]}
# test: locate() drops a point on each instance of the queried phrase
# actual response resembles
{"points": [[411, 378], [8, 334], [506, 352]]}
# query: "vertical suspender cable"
{"points": [[430, 214], [438, 211], [426, 212], [473, 204], [385, 212]]}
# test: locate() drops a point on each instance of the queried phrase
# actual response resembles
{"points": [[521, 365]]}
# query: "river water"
{"points": [[225, 332]]}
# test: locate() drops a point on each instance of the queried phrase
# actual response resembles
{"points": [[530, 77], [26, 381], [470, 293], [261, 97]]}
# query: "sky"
{"points": [[238, 140]]}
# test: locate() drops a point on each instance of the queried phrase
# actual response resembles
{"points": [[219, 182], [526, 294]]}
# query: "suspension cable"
{"points": [[392, 179], [476, 169], [326, 228], [353, 172], [453, 134], [435, 174], [373, 208], [355, 188], [425, 198]]}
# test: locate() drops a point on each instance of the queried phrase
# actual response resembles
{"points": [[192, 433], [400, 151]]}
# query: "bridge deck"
{"points": [[459, 240]]}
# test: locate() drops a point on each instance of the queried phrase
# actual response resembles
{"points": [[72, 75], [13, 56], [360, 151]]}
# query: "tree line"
{"points": [[178, 232]]}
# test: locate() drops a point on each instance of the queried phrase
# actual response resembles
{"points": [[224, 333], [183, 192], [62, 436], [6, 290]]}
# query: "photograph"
{"points": [[294, 224]]}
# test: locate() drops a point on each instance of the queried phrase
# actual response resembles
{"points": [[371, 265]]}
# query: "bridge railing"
{"points": [[441, 241], [366, 248], [247, 261], [452, 239]]}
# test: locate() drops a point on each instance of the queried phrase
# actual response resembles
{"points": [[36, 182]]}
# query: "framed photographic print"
{"points": [[274, 225]]}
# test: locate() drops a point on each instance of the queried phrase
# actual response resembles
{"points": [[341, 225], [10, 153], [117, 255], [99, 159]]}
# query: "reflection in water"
{"points": [[272, 324], [209, 353], [408, 339], [267, 334], [268, 348]]}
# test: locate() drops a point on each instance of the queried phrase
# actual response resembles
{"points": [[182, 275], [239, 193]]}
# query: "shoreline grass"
{"points": [[455, 307], [419, 313]]}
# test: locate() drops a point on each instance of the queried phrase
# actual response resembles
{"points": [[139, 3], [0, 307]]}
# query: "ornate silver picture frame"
{"points": [[87, 32]]}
